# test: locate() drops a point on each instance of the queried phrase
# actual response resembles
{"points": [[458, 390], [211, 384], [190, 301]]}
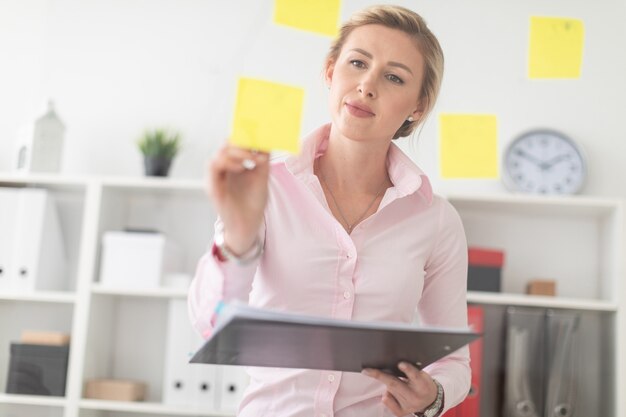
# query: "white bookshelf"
{"points": [[577, 241]]}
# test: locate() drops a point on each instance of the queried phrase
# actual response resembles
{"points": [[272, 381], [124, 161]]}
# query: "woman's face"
{"points": [[375, 83]]}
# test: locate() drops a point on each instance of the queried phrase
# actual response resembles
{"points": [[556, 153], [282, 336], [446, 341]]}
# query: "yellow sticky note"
{"points": [[468, 145], [267, 116], [556, 47], [319, 16]]}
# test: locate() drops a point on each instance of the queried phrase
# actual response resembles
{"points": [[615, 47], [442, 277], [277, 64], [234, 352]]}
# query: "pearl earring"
{"points": [[410, 119]]}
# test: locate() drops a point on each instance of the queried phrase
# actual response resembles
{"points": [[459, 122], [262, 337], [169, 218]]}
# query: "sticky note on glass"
{"points": [[319, 16], [267, 116], [556, 47], [468, 146]]}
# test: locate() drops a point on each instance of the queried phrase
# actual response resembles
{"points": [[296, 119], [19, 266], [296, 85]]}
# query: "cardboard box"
{"points": [[34, 337], [115, 390], [541, 287]]}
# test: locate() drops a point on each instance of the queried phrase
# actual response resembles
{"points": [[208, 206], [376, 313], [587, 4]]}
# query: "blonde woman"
{"points": [[347, 229]]}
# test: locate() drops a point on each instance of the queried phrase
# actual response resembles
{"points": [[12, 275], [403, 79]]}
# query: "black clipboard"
{"points": [[249, 336]]}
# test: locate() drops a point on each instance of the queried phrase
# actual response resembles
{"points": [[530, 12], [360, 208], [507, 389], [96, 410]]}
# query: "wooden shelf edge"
{"points": [[60, 297], [145, 293], [40, 400], [150, 407], [540, 301], [546, 200]]}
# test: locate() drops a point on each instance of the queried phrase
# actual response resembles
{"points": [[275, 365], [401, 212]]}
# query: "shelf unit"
{"points": [[577, 241]]}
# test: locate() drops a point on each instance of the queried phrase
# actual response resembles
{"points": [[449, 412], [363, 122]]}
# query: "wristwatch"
{"points": [[247, 258], [435, 408]]}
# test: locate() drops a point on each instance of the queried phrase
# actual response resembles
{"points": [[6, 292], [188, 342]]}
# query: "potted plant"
{"points": [[159, 147]]}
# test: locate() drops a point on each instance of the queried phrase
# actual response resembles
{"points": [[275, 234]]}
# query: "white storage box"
{"points": [[137, 260]]}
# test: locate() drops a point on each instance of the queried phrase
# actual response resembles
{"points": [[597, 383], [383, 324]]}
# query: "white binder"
{"points": [[183, 383], [8, 208], [39, 254], [33, 246], [564, 364], [232, 382]]}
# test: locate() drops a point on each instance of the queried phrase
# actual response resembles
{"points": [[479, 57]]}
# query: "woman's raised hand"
{"points": [[238, 186]]}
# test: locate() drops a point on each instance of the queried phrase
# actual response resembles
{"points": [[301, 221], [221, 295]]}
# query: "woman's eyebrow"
{"points": [[391, 63]]}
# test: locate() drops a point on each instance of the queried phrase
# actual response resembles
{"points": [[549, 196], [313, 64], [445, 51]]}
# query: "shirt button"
{"points": [[331, 378], [346, 295]]}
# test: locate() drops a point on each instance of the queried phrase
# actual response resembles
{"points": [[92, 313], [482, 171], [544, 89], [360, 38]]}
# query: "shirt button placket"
{"points": [[347, 267]]}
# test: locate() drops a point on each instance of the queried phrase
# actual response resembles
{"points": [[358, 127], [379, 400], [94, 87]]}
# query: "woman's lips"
{"points": [[358, 110]]}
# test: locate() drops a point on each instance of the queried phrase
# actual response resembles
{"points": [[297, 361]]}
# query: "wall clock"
{"points": [[544, 161]]}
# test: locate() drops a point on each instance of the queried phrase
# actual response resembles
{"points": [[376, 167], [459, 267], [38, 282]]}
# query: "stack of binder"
{"points": [[32, 254], [542, 363], [211, 387]]}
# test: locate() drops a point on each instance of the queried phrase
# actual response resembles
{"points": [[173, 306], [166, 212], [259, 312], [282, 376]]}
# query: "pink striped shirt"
{"points": [[410, 256]]}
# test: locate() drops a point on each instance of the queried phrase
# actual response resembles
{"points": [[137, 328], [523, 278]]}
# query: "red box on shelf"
{"points": [[485, 269]]}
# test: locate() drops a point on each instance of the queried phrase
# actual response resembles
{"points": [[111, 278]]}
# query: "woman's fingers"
{"points": [[392, 403], [231, 159], [415, 392], [246, 158], [394, 385]]}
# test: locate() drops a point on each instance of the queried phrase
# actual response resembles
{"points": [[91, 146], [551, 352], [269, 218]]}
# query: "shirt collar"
{"points": [[405, 175]]}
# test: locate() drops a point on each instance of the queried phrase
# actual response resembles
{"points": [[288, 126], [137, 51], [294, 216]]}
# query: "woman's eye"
{"points": [[357, 63], [395, 79]]}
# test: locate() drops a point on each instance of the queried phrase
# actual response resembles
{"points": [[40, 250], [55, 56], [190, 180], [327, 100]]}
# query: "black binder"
{"points": [[254, 337]]}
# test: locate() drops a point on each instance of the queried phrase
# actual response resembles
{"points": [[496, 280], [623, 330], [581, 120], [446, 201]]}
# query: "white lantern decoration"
{"points": [[39, 146]]}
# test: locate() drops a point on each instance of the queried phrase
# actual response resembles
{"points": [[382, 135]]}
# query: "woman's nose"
{"points": [[367, 88]]}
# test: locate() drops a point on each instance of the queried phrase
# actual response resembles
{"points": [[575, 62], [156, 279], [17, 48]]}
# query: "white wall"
{"points": [[115, 67]]}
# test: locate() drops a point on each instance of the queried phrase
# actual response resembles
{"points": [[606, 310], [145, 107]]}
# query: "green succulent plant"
{"points": [[159, 142]]}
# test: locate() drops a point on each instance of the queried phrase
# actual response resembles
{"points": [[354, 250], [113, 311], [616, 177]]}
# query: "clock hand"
{"points": [[529, 157], [555, 160]]}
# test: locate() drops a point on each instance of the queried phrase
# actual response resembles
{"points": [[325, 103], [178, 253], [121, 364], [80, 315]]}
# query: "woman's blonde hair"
{"points": [[409, 22]]}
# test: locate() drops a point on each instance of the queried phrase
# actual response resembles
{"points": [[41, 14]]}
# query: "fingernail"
{"points": [[403, 366]]}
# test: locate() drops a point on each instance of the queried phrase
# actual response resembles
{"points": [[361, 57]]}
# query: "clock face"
{"points": [[544, 162]]}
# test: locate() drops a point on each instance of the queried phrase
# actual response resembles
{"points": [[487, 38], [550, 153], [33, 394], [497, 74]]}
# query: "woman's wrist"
{"points": [[224, 251], [436, 407]]}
